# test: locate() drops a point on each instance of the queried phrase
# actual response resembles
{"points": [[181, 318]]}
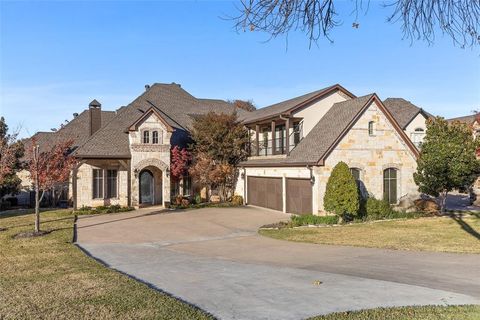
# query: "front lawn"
{"points": [[49, 278], [444, 234], [409, 313]]}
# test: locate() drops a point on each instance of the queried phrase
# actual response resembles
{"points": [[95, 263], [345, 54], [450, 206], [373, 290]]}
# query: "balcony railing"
{"points": [[265, 147]]}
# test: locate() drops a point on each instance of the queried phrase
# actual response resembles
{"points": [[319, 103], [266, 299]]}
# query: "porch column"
{"points": [[287, 129], [273, 137], [129, 183], [74, 187], [257, 142]]}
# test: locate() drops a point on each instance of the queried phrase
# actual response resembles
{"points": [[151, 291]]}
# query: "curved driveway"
{"points": [[215, 259]]}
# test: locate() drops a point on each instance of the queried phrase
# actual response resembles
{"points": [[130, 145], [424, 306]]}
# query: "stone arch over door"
{"points": [[161, 180], [151, 162]]}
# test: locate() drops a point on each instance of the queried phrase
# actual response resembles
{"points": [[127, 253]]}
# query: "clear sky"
{"points": [[55, 57]]}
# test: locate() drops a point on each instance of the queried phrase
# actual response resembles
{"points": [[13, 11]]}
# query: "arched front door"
{"points": [[147, 184]]}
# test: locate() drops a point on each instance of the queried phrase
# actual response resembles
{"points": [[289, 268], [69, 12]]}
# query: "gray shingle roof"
{"points": [[176, 105], [403, 111], [323, 135], [284, 106], [78, 130], [466, 119]]}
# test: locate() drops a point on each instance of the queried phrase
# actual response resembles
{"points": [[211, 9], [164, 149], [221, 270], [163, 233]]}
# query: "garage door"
{"points": [[265, 192], [299, 196]]}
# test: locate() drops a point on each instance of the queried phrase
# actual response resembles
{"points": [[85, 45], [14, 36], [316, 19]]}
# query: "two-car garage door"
{"points": [[267, 192]]}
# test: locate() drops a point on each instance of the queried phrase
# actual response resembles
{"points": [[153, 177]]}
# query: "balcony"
{"points": [[278, 146]]}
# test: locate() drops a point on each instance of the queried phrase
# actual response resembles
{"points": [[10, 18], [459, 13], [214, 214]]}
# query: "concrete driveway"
{"points": [[214, 258]]}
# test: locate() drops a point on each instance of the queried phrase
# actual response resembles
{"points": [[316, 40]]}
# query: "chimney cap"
{"points": [[95, 104], [147, 86]]}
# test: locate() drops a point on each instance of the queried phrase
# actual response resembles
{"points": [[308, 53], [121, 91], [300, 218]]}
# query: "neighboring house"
{"points": [[296, 143], [124, 156], [411, 118]]}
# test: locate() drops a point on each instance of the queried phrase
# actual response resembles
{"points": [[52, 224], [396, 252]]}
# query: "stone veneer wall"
{"points": [[85, 184], [372, 155], [150, 155]]}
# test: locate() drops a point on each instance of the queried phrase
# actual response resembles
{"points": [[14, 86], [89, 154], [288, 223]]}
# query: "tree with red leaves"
{"points": [[180, 158], [48, 169], [11, 151]]}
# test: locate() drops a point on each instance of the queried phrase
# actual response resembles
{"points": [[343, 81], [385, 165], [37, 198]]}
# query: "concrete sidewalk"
{"points": [[214, 259]]}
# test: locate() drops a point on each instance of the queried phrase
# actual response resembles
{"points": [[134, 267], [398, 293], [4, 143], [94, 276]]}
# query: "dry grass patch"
{"points": [[443, 234], [468, 312], [48, 277]]}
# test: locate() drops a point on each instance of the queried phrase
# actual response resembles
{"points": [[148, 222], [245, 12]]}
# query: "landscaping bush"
{"points": [[377, 209], [310, 219], [84, 210], [198, 199], [237, 200], [380, 209], [341, 195]]}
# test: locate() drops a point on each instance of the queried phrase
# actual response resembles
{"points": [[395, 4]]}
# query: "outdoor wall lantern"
{"points": [[135, 172], [242, 175], [312, 180], [167, 172]]}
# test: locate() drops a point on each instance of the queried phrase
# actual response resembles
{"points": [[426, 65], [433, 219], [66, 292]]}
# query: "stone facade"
{"points": [[152, 157], [85, 183], [372, 155]]}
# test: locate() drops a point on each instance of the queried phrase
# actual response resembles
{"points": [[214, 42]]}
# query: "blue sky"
{"points": [[55, 57]]}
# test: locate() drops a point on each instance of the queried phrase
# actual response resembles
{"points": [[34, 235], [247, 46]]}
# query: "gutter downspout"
{"points": [[244, 186]]}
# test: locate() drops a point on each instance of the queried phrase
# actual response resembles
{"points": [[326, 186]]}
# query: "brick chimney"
{"points": [[95, 109]]}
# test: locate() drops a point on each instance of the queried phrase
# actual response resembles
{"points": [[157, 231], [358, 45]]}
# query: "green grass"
{"points": [[467, 312], [443, 234], [48, 277]]}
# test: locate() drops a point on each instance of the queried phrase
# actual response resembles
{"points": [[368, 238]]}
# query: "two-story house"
{"points": [[124, 156]]}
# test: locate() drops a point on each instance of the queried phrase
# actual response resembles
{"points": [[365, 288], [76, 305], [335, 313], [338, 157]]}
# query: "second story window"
{"points": [[371, 128], [146, 136], [155, 137]]}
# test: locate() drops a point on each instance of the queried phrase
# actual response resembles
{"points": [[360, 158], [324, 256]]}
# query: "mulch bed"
{"points": [[30, 234]]}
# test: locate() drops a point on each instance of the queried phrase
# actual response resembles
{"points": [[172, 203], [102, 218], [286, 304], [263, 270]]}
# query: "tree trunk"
{"points": [[443, 201], [37, 209]]}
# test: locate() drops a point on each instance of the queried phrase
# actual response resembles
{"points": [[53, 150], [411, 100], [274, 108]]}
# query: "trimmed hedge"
{"points": [[341, 195], [85, 210], [310, 219]]}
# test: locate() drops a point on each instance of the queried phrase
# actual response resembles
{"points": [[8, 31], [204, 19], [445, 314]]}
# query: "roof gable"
{"points": [[403, 111], [146, 115], [329, 131], [294, 104]]}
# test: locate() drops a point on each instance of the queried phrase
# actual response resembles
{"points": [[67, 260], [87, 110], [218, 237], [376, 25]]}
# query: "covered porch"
{"points": [[275, 136]]}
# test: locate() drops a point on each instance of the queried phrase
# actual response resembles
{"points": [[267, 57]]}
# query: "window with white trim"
{"points": [[155, 137], [371, 129], [417, 137], [146, 136], [112, 184], [97, 183]]}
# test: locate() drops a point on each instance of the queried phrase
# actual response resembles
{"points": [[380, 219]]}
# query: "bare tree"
{"points": [[420, 19]]}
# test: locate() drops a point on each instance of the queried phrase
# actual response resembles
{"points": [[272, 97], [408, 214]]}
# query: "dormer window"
{"points": [[146, 136], [155, 137], [371, 128]]}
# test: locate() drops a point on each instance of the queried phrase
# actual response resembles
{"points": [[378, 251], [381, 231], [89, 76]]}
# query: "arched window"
{"points": [[417, 137], [370, 128], [390, 185], [155, 137], [146, 136]]}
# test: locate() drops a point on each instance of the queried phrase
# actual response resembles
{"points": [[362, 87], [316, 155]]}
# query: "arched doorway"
{"points": [[147, 188]]}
